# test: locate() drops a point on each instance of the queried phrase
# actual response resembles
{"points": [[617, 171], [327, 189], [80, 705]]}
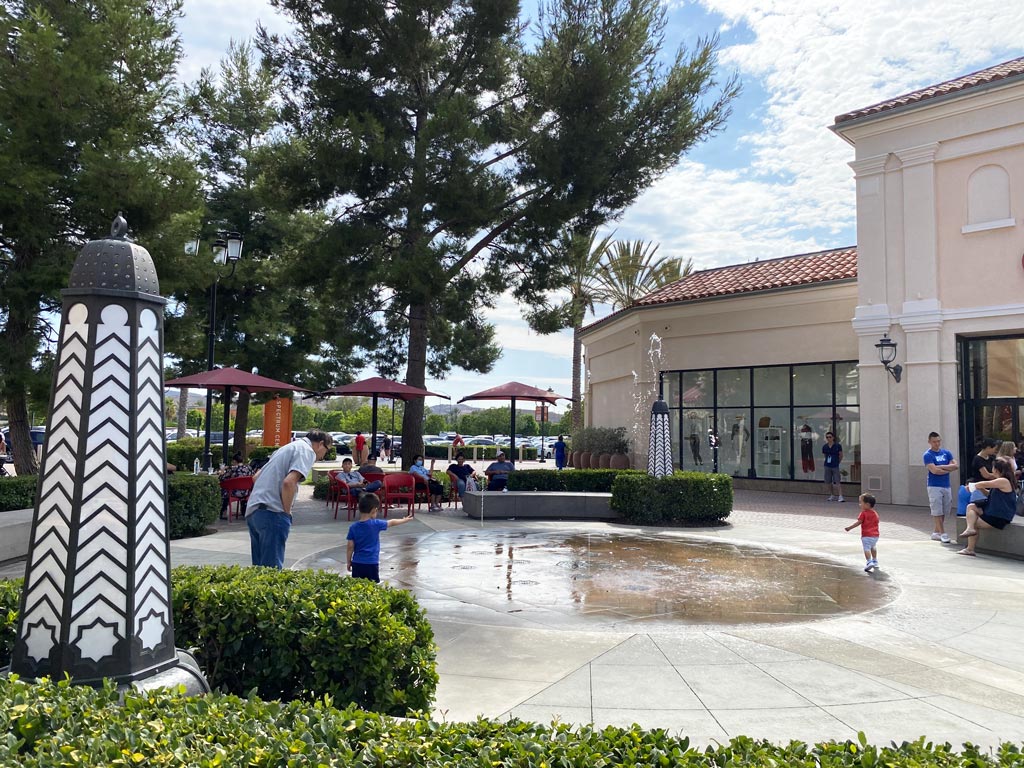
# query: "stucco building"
{"points": [[773, 354]]}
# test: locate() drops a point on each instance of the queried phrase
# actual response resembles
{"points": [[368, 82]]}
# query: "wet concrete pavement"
{"points": [[929, 646]]}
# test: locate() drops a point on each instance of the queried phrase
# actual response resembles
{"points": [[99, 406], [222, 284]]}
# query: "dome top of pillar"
{"points": [[115, 263]]}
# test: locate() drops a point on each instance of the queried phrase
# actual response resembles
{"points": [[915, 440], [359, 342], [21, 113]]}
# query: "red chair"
{"points": [[422, 490], [337, 489], [398, 487], [236, 484]]}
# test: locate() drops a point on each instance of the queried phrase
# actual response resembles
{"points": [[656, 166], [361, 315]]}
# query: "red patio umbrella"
{"points": [[229, 379], [376, 387], [514, 390]]}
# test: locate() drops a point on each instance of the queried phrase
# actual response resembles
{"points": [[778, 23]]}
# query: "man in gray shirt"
{"points": [[269, 511]]}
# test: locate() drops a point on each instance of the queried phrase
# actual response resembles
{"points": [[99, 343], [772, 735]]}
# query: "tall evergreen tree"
{"points": [[269, 314], [451, 153], [87, 114]]}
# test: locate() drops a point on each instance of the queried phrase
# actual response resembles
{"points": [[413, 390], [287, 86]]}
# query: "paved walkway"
{"points": [[943, 659]]}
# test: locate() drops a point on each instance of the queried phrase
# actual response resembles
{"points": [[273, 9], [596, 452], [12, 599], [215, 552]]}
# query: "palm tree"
{"points": [[579, 273], [630, 271]]}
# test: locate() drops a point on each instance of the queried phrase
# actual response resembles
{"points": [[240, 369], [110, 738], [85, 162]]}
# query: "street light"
{"points": [[227, 249], [887, 354]]}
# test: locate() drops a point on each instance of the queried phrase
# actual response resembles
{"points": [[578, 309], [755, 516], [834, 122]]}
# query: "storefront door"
{"points": [[991, 390]]}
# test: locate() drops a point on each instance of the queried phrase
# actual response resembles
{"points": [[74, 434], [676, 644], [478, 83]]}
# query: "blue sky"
{"points": [[775, 182]]}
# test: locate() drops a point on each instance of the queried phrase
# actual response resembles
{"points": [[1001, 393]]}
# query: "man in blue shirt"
{"points": [[363, 545], [497, 473], [833, 453], [560, 449], [940, 463]]}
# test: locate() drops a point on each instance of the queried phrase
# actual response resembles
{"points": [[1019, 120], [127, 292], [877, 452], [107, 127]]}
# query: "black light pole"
{"points": [[227, 249]]}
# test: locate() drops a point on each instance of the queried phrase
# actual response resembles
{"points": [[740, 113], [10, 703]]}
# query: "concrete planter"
{"points": [[544, 505], [619, 461], [583, 460], [604, 461]]}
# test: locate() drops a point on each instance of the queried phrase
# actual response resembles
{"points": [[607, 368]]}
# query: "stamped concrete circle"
{"points": [[618, 579]]}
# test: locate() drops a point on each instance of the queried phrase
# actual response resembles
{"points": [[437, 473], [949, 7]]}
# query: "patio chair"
{"points": [[337, 489], [236, 503], [398, 487]]}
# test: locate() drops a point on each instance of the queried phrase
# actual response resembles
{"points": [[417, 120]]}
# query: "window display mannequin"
{"points": [[807, 450], [694, 440], [739, 434]]}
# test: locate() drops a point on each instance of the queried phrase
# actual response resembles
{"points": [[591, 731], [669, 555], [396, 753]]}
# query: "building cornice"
{"points": [[919, 155]]}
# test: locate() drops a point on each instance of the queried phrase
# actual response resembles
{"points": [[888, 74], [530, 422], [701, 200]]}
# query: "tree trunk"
{"points": [[182, 412], [25, 462], [242, 423], [577, 395], [16, 341], [415, 376]]}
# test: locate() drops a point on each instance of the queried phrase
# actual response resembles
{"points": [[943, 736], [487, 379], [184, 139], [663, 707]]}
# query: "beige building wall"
{"points": [[623, 356], [939, 235]]}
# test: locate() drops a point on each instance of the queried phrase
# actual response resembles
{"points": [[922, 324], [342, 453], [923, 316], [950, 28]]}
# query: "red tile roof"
{"points": [[771, 274], [1007, 69], [808, 268]]}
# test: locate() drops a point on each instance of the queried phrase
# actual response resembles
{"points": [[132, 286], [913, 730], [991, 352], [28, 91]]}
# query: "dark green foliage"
{"points": [[682, 498], [10, 604], [291, 634], [320, 486], [574, 480], [53, 724], [193, 504], [18, 492]]}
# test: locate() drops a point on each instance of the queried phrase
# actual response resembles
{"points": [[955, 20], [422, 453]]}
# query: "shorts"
{"points": [[868, 542], [832, 476], [940, 500], [996, 522], [366, 571]]}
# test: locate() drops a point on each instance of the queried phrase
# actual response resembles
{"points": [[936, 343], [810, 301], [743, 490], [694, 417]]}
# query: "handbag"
{"points": [[470, 483], [1020, 503]]}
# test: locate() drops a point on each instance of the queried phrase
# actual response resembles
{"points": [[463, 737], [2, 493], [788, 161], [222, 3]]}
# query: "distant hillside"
{"points": [[445, 409]]}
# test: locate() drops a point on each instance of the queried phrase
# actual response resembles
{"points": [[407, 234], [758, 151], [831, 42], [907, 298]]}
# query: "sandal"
{"points": [[968, 533], [966, 552]]}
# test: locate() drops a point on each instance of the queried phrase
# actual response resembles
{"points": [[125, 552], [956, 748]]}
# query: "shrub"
{"points": [[484, 452], [680, 499], [17, 492], [290, 634], [193, 503], [601, 440], [183, 453], [293, 634], [575, 480], [320, 486], [56, 724]]}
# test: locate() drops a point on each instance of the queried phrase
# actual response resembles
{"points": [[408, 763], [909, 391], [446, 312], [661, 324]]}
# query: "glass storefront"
{"points": [[771, 421], [991, 385]]}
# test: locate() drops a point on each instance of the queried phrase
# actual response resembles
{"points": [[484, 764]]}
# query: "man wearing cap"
{"points": [[269, 511], [497, 473]]}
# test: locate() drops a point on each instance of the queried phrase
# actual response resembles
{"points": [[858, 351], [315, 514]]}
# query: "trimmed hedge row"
{"points": [[293, 634], [17, 492], [679, 499], [57, 724], [572, 480], [483, 452], [193, 501], [183, 453]]}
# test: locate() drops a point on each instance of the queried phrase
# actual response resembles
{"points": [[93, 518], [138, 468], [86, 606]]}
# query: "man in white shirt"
{"points": [[269, 512]]}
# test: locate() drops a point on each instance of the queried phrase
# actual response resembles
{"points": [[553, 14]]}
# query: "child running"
{"points": [[868, 522], [364, 538]]}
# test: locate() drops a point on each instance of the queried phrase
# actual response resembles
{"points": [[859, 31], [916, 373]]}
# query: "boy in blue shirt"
{"points": [[364, 539]]}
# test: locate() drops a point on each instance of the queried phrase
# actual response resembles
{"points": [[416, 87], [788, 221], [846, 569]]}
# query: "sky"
{"points": [[775, 182]]}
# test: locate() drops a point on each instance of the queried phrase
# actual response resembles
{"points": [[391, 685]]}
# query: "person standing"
{"points": [[867, 520], [269, 512], [833, 453], [560, 449], [385, 447], [939, 463], [363, 539], [360, 447]]}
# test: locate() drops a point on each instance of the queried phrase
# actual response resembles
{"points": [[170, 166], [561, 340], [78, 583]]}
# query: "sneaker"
{"points": [[869, 565], [944, 538], [840, 499], [938, 536], [831, 498]]}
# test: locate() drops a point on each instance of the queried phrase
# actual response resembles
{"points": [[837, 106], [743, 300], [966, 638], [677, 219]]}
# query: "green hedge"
{"points": [[293, 634], [17, 492], [575, 480], [57, 724], [193, 504], [678, 499], [183, 453]]}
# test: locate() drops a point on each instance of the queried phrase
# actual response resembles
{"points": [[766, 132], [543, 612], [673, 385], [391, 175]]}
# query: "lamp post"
{"points": [[227, 249]]}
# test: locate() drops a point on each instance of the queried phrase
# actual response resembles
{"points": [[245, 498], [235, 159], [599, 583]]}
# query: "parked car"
{"points": [[37, 434], [481, 441]]}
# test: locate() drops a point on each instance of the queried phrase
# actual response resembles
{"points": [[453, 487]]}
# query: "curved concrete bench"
{"points": [[549, 505], [1008, 542], [15, 533]]}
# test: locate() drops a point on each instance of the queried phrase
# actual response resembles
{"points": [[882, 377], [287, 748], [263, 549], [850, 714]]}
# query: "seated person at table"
{"points": [[995, 511], [459, 472], [436, 489], [497, 473], [370, 465], [354, 480], [238, 468]]}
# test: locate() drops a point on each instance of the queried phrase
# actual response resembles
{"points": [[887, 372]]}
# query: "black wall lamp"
{"points": [[887, 353]]}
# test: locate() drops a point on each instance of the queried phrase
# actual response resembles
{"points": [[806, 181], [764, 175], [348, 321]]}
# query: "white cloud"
{"points": [[209, 25]]}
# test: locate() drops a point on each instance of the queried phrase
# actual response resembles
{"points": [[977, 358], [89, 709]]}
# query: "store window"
{"points": [[771, 421]]}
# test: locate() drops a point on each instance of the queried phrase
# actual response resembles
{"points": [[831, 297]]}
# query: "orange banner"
{"points": [[277, 422]]}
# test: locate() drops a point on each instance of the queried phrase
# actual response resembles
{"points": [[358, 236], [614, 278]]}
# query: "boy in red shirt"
{"points": [[868, 522]]}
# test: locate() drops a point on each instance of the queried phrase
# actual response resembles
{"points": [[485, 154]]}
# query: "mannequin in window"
{"points": [[694, 440], [807, 449], [739, 434]]}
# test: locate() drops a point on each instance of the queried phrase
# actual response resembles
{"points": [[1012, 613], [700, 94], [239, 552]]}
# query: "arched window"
{"points": [[988, 199]]}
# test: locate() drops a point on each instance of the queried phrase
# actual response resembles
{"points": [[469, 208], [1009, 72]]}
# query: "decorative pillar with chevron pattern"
{"points": [[659, 447], [97, 597]]}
